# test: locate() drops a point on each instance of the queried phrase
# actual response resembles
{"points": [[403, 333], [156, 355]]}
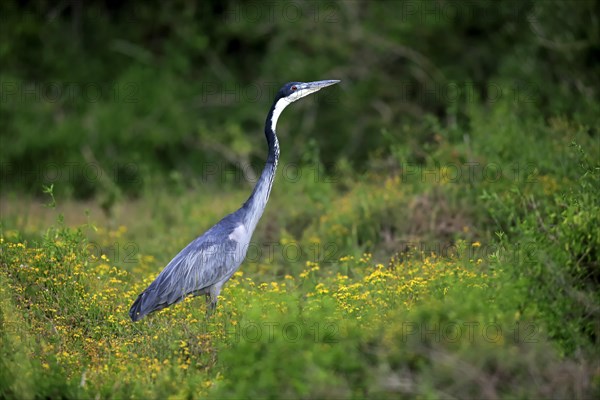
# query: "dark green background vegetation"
{"points": [[160, 87], [455, 122]]}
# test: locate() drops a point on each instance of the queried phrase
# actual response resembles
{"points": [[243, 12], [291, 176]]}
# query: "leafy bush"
{"points": [[557, 238]]}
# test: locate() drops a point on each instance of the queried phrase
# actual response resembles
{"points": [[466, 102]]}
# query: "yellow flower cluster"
{"points": [[78, 305]]}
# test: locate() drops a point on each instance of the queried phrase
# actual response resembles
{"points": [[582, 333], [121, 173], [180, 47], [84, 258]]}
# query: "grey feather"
{"points": [[208, 260]]}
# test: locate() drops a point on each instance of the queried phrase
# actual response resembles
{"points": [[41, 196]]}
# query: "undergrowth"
{"points": [[506, 314]]}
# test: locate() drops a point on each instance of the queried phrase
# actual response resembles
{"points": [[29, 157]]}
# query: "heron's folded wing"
{"points": [[197, 267]]}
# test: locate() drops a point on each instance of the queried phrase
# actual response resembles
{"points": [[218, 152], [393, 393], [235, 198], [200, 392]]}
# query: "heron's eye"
{"points": [[294, 87]]}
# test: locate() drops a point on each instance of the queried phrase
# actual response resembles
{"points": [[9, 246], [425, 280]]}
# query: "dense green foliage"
{"points": [[140, 89], [433, 230]]}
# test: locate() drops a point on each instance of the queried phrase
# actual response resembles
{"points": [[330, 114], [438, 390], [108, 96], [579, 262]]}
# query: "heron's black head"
{"points": [[289, 93], [287, 90], [293, 91]]}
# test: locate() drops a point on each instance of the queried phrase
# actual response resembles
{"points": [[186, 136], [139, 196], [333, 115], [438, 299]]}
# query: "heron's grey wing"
{"points": [[201, 264]]}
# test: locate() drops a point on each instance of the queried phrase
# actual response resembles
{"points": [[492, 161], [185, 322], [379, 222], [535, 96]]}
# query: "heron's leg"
{"points": [[210, 305], [210, 308], [212, 297]]}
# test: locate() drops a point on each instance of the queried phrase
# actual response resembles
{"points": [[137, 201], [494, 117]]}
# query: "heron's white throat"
{"points": [[286, 101], [279, 107]]}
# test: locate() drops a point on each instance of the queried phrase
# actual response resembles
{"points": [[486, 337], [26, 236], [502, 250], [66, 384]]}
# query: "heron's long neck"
{"points": [[256, 203]]}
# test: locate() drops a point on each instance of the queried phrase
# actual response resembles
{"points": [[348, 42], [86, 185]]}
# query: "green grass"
{"points": [[402, 288], [472, 272], [355, 328]]}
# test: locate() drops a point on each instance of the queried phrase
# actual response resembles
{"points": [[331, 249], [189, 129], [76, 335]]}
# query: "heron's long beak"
{"points": [[320, 84], [304, 89]]}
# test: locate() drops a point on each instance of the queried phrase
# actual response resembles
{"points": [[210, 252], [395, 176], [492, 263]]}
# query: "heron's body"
{"points": [[205, 264]]}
